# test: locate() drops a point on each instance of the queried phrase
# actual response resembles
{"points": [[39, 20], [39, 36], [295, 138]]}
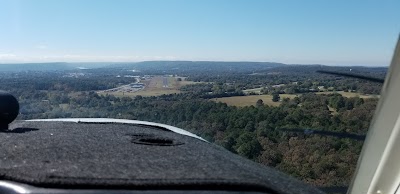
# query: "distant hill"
{"points": [[182, 67], [35, 67], [197, 66], [57, 66]]}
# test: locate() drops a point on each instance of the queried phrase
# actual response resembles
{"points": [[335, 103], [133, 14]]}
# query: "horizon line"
{"points": [[226, 61]]}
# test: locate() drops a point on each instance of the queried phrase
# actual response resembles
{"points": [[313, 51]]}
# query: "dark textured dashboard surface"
{"points": [[126, 156]]}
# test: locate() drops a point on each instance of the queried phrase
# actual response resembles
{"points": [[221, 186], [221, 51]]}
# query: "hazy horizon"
{"points": [[115, 62], [290, 32]]}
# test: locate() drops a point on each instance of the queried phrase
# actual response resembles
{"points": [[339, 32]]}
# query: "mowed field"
{"points": [[251, 100], [255, 90], [350, 94], [267, 99], [155, 87]]}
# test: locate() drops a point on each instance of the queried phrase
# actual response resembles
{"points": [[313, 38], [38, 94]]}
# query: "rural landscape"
{"points": [[289, 117], [199, 96]]}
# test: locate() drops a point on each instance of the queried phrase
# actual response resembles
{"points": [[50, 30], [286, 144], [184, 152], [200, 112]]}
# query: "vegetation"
{"points": [[242, 101], [216, 108], [275, 97]]}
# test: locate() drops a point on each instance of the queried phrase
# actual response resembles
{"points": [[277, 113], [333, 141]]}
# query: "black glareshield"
{"points": [[9, 109]]}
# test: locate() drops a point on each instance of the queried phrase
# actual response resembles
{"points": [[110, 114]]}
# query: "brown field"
{"points": [[255, 90], [251, 100], [64, 106], [267, 99], [350, 94]]}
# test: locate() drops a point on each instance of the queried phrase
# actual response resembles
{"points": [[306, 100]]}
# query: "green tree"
{"points": [[259, 103], [275, 97], [248, 145]]}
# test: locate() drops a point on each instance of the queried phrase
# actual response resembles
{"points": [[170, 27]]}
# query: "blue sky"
{"points": [[337, 32]]}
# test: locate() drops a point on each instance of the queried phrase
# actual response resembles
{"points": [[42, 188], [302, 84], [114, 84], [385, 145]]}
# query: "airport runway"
{"points": [[165, 82]]}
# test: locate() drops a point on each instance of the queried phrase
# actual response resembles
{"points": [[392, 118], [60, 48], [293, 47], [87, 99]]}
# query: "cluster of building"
{"points": [[137, 85], [75, 75]]}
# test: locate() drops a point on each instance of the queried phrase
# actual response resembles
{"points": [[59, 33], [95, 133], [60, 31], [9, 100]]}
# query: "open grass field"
{"points": [[267, 99], [332, 110], [155, 87], [255, 90], [351, 94], [251, 100], [64, 106]]}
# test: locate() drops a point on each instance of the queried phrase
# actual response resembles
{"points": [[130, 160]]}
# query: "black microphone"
{"points": [[9, 109]]}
